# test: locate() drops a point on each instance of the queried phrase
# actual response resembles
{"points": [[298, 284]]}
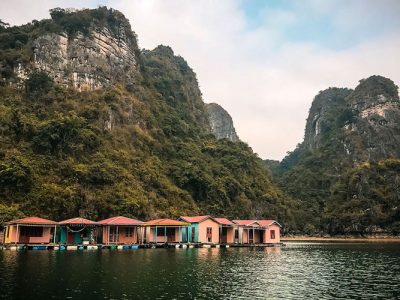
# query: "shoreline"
{"points": [[348, 239]]}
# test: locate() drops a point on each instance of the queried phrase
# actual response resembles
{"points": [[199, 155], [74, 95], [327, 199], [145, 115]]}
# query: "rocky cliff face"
{"points": [[346, 168], [143, 151], [92, 56], [364, 121], [374, 132], [322, 116], [221, 123]]}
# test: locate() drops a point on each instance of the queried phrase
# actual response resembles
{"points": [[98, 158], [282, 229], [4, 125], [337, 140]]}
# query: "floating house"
{"points": [[201, 229], [30, 230], [164, 231], [272, 231], [258, 231], [121, 230], [228, 231], [77, 231], [250, 232]]}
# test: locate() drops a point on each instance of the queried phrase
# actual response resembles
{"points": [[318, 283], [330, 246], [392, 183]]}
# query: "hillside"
{"points": [[92, 126], [346, 171]]}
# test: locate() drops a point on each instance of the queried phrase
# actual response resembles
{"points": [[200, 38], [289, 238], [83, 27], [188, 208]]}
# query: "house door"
{"points": [[193, 236], [114, 236], [170, 234], [251, 237], [224, 235]]}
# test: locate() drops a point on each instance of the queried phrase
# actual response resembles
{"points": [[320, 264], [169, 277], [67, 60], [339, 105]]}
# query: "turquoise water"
{"points": [[297, 271]]}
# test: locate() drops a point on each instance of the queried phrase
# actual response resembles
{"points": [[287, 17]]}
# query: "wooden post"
{"points": [[155, 236], [117, 235], [55, 233], [253, 236], [165, 234], [17, 235], [5, 233]]}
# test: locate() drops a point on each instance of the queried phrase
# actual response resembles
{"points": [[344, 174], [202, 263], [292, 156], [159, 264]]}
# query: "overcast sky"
{"points": [[263, 61]]}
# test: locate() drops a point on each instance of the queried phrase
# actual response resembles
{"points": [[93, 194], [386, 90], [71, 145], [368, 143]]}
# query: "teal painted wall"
{"points": [[62, 235], [187, 233]]}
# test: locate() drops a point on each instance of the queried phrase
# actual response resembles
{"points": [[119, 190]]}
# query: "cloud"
{"points": [[264, 71]]}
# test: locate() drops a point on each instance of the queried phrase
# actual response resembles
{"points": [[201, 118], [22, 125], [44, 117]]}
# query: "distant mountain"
{"points": [[92, 126], [346, 171]]}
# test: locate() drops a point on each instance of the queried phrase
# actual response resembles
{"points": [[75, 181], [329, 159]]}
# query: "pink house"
{"points": [[121, 230], [258, 231], [202, 229], [272, 231], [164, 231], [250, 231], [226, 231], [30, 230]]}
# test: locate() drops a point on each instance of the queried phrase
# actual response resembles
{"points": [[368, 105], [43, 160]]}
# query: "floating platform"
{"points": [[61, 247]]}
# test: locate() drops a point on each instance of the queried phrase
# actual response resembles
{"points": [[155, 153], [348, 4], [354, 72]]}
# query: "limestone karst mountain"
{"points": [[91, 126], [346, 171]]}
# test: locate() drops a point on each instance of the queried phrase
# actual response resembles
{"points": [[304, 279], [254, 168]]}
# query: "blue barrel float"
{"points": [[39, 248]]}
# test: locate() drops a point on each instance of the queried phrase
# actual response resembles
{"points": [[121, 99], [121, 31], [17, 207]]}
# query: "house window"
{"points": [[272, 234], [236, 234], [129, 232], [161, 231], [209, 231]]}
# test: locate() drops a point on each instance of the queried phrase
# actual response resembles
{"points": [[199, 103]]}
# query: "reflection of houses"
{"points": [[202, 229], [77, 231], [121, 230], [31, 230], [164, 231], [227, 231]]}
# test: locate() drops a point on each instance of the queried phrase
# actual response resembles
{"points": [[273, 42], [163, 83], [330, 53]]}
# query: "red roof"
{"points": [[120, 220], [223, 221], [33, 220], [195, 219], [245, 222], [77, 221], [267, 222], [165, 222]]}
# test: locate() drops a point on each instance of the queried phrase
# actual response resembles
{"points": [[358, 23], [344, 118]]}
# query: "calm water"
{"points": [[299, 270]]}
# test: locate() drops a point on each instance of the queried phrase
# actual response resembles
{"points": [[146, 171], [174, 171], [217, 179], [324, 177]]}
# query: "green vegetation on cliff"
{"points": [[143, 150], [345, 173]]}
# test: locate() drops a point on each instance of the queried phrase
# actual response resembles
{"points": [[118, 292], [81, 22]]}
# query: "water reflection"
{"points": [[318, 271]]}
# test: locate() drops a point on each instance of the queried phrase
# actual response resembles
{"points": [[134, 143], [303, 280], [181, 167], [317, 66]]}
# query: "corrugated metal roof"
{"points": [[120, 220], [224, 221], [77, 221], [165, 222], [33, 220], [195, 219]]}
